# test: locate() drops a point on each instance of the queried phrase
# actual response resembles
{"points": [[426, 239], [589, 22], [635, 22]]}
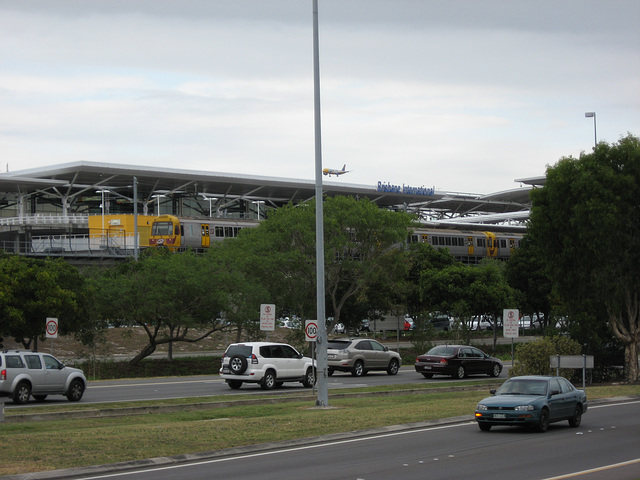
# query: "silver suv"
{"points": [[24, 374], [266, 363], [359, 356]]}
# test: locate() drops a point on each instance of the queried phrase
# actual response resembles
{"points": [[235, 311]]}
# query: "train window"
{"points": [[503, 243], [180, 230], [425, 238], [448, 241], [219, 231], [161, 228], [480, 242]]}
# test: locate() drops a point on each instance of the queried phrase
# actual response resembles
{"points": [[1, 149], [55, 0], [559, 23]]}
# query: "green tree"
{"points": [[34, 289], [359, 237], [586, 222], [533, 357], [174, 297]]}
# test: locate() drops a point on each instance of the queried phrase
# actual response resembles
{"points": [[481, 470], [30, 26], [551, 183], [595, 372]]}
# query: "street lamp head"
{"points": [[590, 114]]}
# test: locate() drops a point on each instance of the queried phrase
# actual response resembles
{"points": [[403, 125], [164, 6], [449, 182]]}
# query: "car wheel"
{"points": [[39, 398], [460, 373], [393, 367], [577, 417], [22, 393], [485, 427], [309, 378], [495, 370], [358, 369], [268, 382], [76, 389], [543, 422], [238, 364], [234, 384], [427, 375]]}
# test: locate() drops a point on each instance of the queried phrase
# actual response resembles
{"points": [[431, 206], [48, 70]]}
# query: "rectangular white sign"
{"points": [[510, 323], [267, 317], [52, 327]]}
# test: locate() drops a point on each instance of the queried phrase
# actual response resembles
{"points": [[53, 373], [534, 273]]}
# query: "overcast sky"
{"points": [[461, 95]]}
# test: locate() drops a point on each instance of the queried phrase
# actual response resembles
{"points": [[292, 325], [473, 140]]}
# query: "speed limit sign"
{"points": [[52, 327], [311, 330]]}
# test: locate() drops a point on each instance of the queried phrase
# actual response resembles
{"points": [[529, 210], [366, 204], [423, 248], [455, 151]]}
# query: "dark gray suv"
{"points": [[24, 374]]}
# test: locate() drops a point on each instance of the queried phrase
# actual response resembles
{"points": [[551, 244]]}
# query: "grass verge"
{"points": [[49, 445]]}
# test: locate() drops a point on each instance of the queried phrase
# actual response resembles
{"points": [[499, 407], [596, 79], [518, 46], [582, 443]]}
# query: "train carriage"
{"points": [[180, 233], [469, 246]]}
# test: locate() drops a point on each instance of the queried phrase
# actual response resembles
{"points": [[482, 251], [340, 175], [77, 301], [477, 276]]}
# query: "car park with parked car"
{"points": [[359, 356], [532, 401], [24, 374], [268, 364], [457, 361]]}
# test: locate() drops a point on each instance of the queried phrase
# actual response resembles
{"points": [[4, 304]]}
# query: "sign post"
{"points": [[311, 335], [510, 319], [51, 328]]}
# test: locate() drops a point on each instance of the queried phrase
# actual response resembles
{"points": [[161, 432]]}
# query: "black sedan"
{"points": [[457, 361], [534, 401]]}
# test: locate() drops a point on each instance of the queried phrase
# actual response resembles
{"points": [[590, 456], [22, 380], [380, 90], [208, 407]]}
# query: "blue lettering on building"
{"points": [[407, 189]]}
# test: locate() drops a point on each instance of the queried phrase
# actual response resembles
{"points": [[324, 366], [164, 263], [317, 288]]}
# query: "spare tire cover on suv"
{"points": [[238, 355]]}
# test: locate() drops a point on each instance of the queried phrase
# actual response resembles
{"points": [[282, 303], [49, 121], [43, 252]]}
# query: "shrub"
{"points": [[533, 357]]}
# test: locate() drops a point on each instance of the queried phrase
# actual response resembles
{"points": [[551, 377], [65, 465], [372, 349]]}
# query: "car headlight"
{"points": [[521, 408], [481, 407]]}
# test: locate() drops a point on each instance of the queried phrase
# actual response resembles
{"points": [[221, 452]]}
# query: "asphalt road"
{"points": [[204, 386], [604, 447]]}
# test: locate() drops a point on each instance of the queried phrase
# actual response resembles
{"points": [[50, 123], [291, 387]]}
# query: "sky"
{"points": [[460, 95]]}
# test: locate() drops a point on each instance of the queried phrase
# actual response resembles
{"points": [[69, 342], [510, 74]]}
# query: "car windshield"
{"points": [[442, 350], [523, 387]]}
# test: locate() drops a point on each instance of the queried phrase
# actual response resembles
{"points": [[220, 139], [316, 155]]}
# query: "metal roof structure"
{"points": [[69, 181]]}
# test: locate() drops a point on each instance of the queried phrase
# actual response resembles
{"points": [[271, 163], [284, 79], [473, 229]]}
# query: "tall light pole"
{"points": [[210, 200], [321, 338], [258, 202], [157, 196], [102, 192], [595, 135]]}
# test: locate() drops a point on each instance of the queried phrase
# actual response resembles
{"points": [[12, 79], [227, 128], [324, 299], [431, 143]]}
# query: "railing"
{"points": [[73, 245], [45, 220]]}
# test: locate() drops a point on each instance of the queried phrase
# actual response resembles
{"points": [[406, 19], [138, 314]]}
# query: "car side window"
{"points": [[51, 363], [277, 352], [463, 353], [555, 385], [376, 346], [565, 385], [364, 345], [476, 353], [265, 352], [14, 361], [33, 362], [289, 352]]}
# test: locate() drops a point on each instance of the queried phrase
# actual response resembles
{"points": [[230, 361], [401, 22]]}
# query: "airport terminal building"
{"points": [[73, 203]]}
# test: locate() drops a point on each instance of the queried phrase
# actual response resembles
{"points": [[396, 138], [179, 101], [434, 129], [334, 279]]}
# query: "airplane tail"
{"points": [[344, 167]]}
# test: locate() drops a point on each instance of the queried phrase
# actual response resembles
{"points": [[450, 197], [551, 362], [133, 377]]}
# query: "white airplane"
{"points": [[333, 171]]}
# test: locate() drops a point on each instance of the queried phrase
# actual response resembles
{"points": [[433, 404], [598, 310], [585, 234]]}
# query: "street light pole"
{"points": [[321, 339], [595, 134]]}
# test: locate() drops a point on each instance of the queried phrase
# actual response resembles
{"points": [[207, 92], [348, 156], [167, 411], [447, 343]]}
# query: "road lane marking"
{"points": [[595, 470]]}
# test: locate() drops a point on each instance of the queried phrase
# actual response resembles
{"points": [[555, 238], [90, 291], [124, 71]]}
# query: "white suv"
{"points": [[269, 364], [25, 373]]}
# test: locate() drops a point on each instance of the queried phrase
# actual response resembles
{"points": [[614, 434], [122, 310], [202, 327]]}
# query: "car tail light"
{"points": [[3, 375], [254, 359], [443, 361]]}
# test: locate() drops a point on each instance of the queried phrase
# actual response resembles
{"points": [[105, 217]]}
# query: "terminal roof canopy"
{"points": [[72, 179]]}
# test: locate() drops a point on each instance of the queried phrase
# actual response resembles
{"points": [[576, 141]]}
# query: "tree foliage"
{"points": [[170, 295], [358, 247], [32, 290], [586, 222], [534, 357]]}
